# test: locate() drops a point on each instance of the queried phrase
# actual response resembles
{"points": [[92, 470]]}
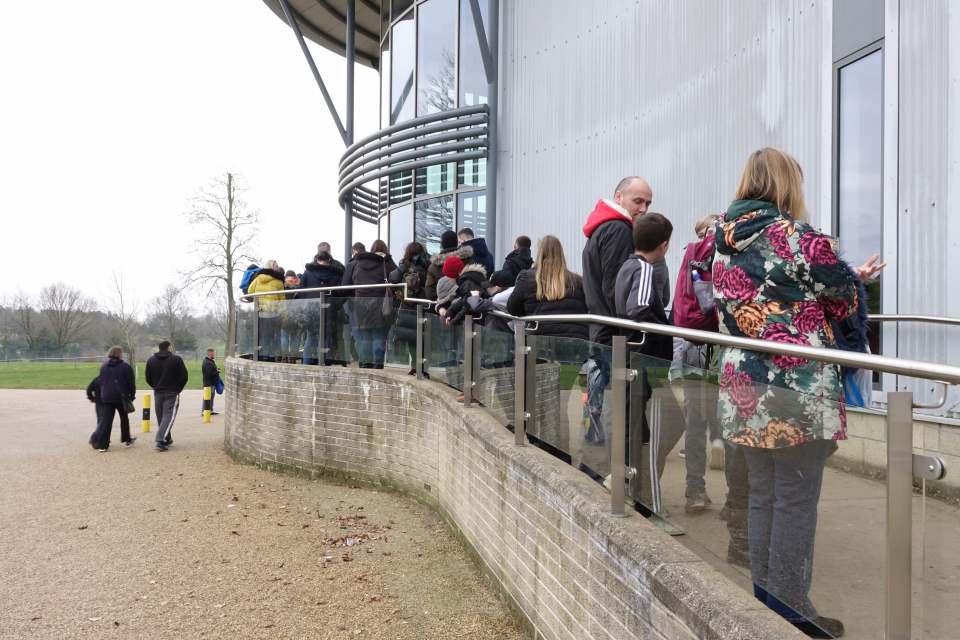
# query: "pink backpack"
{"points": [[694, 306]]}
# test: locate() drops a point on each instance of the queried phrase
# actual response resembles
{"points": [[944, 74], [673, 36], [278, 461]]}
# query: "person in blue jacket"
{"points": [[481, 254]]}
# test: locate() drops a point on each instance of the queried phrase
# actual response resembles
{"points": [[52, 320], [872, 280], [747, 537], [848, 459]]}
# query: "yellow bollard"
{"points": [[145, 425], [207, 403]]}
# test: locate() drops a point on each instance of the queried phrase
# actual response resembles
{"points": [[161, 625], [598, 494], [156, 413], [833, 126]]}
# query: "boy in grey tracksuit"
{"points": [[167, 374], [639, 298]]}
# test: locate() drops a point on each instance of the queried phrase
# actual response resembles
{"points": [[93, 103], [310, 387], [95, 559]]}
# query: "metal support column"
{"points": [[418, 363], [493, 101], [351, 53], [321, 331], [468, 336], [520, 365], [618, 379], [899, 520], [256, 329]]}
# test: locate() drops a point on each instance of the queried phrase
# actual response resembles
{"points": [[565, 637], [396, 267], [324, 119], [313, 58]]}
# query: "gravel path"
{"points": [[187, 544]]}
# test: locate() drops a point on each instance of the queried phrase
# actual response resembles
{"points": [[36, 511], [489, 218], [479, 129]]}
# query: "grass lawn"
{"points": [[70, 375]]}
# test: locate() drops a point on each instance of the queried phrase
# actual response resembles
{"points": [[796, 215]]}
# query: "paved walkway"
{"points": [[188, 544]]}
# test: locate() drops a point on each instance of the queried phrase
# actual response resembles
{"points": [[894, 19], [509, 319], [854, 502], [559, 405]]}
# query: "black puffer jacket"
{"points": [[523, 302], [166, 372], [435, 270], [317, 275], [471, 279], [116, 382], [367, 304], [516, 261]]}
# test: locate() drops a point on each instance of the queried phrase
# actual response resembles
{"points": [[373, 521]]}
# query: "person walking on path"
{"points": [[211, 376], [117, 387], [167, 375]]}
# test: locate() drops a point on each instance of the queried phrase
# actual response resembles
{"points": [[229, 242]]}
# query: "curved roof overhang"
{"points": [[325, 22]]}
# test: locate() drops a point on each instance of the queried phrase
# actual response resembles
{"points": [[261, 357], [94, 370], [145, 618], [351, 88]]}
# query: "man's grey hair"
{"points": [[626, 182], [323, 246]]}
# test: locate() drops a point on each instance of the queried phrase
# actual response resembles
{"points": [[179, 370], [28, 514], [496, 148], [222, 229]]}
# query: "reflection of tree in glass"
{"points": [[432, 218], [438, 92]]}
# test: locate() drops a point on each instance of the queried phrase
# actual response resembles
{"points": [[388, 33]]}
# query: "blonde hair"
{"points": [[551, 269], [271, 264], [774, 176], [704, 224]]}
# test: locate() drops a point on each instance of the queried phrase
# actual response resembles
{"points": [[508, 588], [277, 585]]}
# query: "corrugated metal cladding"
{"points": [[929, 173], [677, 92]]}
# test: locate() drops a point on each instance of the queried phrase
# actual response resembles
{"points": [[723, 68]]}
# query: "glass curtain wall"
{"points": [[431, 62]]}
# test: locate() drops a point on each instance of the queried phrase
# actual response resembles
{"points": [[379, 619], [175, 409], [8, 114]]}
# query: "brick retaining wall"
{"points": [[540, 528]]}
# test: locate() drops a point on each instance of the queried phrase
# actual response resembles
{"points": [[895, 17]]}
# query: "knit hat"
{"points": [[448, 240], [502, 279], [452, 267]]}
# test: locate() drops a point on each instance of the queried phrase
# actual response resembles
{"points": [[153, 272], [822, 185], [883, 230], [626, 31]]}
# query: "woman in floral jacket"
{"points": [[777, 279]]}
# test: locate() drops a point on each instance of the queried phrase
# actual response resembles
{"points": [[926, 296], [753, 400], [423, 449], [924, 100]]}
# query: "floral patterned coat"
{"points": [[780, 280]]}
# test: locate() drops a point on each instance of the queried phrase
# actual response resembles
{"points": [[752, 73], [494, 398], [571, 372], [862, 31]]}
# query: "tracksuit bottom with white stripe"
{"points": [[167, 405]]}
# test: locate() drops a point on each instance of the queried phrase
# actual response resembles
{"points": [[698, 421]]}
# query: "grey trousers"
{"points": [[700, 399], [782, 523], [167, 405]]}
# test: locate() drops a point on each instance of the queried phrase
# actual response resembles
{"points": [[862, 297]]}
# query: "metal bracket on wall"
{"points": [[928, 467]]}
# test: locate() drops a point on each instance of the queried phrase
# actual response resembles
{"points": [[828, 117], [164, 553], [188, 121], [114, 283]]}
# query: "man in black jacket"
{"points": [[167, 374], [211, 375], [519, 259]]}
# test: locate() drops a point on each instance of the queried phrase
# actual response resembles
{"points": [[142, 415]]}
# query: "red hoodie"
{"points": [[604, 211]]}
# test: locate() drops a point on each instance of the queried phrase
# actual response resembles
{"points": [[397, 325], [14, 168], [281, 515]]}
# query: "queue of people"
{"points": [[758, 270]]}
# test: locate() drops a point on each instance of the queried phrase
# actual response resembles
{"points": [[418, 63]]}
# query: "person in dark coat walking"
{"points": [[372, 324], [550, 288], [448, 247], [481, 254], [412, 272], [211, 376], [93, 395], [117, 385], [167, 375], [324, 271], [517, 260]]}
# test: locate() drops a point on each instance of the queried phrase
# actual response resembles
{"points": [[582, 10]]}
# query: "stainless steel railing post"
{"points": [[256, 329], [519, 365], [321, 331], [418, 364], [899, 521], [468, 360], [618, 380], [529, 389]]}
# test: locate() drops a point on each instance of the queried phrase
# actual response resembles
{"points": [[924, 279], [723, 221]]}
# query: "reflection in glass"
{"points": [[401, 187], [399, 6], [436, 39], [431, 218], [404, 43], [401, 230], [473, 212], [859, 172], [435, 179], [472, 173], [473, 79]]}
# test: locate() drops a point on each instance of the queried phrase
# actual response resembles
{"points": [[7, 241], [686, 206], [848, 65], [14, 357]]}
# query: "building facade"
{"points": [[551, 102]]}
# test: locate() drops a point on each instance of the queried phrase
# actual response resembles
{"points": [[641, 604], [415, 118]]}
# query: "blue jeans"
{"points": [[372, 346], [782, 523]]}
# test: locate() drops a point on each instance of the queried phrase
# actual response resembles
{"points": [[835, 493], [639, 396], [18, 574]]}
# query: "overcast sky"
{"points": [[113, 113]]}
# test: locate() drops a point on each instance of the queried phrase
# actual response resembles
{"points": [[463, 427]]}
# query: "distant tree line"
{"points": [[63, 322]]}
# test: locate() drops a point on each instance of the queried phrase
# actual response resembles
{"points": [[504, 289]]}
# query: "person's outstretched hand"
{"points": [[869, 269]]}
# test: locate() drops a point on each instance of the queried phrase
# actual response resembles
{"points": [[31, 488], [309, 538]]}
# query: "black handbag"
{"points": [[386, 307], [128, 406]]}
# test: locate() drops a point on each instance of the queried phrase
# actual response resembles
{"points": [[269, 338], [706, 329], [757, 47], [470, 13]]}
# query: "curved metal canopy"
{"points": [[325, 22]]}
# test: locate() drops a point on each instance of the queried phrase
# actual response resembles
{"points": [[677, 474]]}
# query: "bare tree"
{"points": [[125, 311], [170, 311], [68, 311], [26, 321], [227, 226]]}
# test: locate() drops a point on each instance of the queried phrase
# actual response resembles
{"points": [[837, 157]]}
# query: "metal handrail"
{"points": [[248, 297], [883, 317], [911, 368]]}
